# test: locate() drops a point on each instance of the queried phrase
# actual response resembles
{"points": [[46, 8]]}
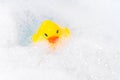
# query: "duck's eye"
{"points": [[57, 31], [46, 35]]}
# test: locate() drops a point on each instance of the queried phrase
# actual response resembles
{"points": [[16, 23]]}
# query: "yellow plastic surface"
{"points": [[49, 29]]}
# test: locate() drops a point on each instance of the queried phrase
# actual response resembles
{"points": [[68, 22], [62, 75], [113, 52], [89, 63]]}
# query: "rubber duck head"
{"points": [[50, 31]]}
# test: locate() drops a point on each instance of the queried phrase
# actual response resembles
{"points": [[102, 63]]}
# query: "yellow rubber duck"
{"points": [[51, 32]]}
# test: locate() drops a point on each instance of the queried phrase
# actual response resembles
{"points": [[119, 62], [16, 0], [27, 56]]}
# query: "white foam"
{"points": [[91, 53]]}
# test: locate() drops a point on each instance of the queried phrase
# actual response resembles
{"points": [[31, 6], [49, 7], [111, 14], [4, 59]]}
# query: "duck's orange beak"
{"points": [[53, 39]]}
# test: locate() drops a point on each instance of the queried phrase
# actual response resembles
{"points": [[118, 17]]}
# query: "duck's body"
{"points": [[50, 31]]}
